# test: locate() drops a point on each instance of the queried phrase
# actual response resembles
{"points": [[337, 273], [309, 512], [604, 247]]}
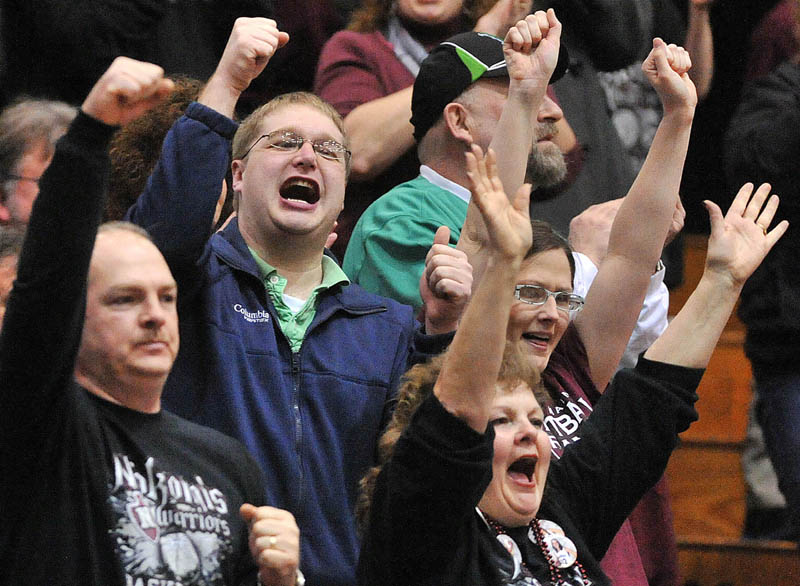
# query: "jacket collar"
{"points": [[229, 246]]}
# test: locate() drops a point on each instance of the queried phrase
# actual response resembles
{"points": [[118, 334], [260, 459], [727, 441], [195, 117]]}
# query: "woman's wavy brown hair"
{"points": [[374, 14], [417, 385], [136, 147]]}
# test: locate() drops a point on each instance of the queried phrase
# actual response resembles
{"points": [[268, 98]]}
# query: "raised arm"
{"points": [[738, 243], [42, 327], [700, 45], [643, 220], [589, 232], [252, 44], [531, 51], [466, 384], [179, 201], [649, 406]]}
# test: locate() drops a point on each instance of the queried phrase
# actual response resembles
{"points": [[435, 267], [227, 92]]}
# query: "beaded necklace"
{"points": [[556, 577]]}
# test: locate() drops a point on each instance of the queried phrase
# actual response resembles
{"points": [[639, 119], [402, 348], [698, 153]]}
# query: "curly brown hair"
{"points": [[374, 14], [417, 385], [136, 147]]}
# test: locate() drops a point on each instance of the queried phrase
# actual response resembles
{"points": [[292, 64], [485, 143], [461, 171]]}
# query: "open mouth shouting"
{"points": [[300, 190], [522, 471]]}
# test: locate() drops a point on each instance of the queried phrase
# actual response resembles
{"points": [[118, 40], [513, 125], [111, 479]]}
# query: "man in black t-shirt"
{"points": [[100, 486]]}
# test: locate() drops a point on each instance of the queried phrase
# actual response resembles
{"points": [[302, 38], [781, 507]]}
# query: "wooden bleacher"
{"points": [[705, 475]]}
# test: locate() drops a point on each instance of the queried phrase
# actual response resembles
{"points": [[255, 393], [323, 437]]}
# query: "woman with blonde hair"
{"points": [[466, 494]]}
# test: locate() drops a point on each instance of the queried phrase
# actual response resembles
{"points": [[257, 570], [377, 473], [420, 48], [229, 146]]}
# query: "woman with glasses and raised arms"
{"points": [[466, 493], [578, 350], [577, 346]]}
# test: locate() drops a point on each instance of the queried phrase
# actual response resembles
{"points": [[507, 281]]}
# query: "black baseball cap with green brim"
{"points": [[454, 65]]}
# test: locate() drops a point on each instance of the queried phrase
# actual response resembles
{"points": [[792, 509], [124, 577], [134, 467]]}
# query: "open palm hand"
{"points": [[740, 240], [507, 222]]}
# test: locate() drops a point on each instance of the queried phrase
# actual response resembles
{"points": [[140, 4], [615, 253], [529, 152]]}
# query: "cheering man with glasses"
{"points": [[284, 140], [278, 349]]}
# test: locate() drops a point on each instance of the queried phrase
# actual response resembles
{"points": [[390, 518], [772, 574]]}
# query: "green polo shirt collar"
{"points": [[295, 325]]}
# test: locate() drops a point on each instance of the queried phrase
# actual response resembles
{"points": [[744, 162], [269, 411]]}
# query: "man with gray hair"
{"points": [[473, 88], [29, 130]]}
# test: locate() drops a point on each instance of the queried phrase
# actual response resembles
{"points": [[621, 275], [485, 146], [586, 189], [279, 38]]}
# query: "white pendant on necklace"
{"points": [[560, 547], [548, 528], [512, 548]]}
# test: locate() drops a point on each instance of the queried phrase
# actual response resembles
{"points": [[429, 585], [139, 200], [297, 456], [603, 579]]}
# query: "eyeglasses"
{"points": [[284, 140], [22, 178], [536, 295]]}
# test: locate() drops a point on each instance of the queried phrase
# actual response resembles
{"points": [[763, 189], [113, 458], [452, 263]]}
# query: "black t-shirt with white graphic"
{"points": [[175, 490], [92, 493], [124, 497]]}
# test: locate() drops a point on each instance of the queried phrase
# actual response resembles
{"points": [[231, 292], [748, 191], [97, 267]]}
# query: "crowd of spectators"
{"points": [[315, 197]]}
